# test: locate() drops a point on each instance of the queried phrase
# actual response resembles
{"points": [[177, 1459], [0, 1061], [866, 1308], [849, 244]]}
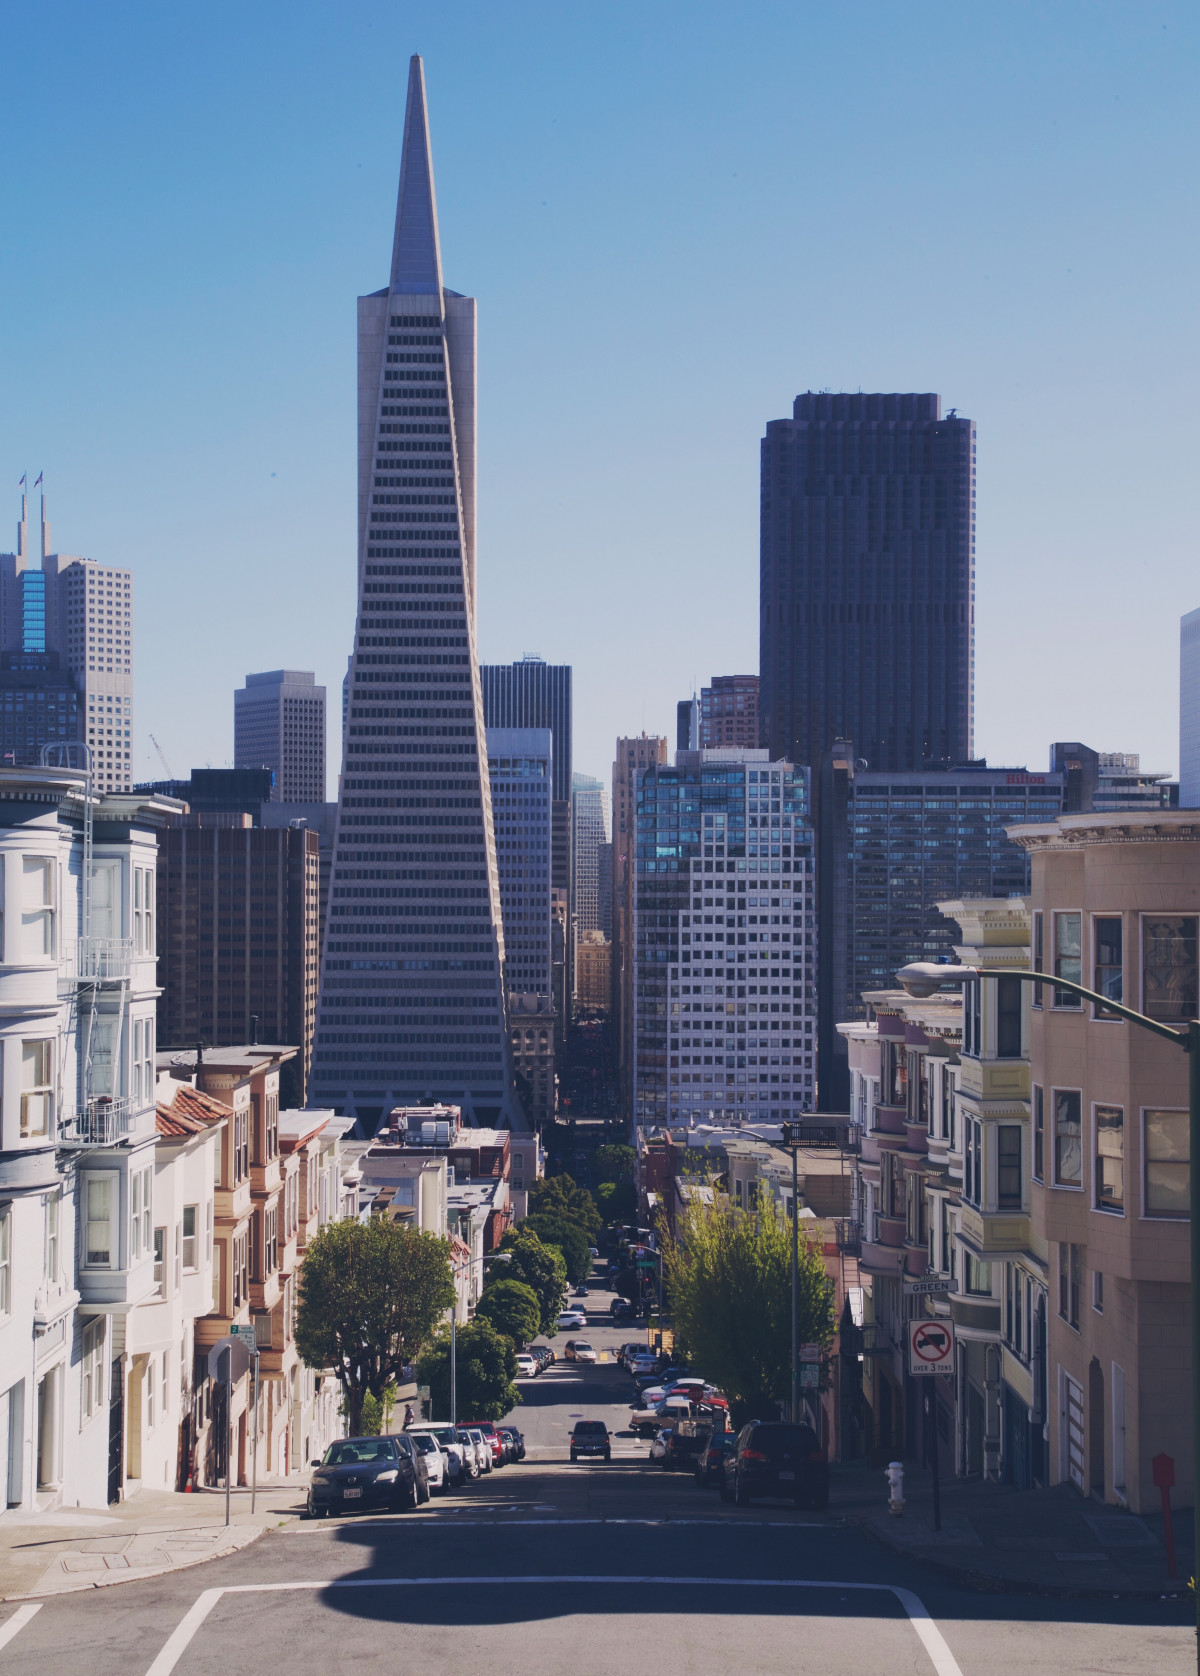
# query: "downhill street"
{"points": [[545, 1564]]}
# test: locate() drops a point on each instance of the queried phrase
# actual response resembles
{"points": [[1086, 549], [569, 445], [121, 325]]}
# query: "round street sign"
{"points": [[930, 1346]]}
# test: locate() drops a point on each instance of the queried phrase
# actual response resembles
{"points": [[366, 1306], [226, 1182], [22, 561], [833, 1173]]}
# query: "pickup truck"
{"points": [[645, 1422], [686, 1444]]}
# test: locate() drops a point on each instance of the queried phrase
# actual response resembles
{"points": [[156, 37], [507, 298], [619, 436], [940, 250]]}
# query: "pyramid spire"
{"points": [[416, 252]]}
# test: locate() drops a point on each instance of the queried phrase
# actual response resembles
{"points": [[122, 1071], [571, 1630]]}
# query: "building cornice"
{"points": [[1067, 832]]}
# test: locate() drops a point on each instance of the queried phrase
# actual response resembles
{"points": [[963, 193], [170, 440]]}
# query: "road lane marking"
{"points": [[12, 1627], [930, 1637]]}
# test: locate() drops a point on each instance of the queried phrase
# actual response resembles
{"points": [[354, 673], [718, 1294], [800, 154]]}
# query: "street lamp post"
{"points": [[925, 978], [791, 1140]]}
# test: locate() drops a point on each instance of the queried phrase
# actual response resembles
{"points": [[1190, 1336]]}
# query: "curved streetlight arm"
{"points": [[925, 978]]}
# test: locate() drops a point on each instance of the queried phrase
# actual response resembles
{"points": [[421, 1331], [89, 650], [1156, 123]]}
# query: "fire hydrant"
{"points": [[895, 1478]]}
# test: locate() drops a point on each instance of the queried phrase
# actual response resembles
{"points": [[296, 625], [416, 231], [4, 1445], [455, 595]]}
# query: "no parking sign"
{"points": [[930, 1347]]}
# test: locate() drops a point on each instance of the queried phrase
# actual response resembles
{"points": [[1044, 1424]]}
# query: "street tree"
{"points": [[616, 1201], [513, 1309], [613, 1163], [561, 1196], [540, 1267], [570, 1239], [370, 1295], [729, 1278], [486, 1370]]}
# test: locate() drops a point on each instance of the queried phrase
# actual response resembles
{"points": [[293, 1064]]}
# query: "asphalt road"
{"points": [[608, 1568]]}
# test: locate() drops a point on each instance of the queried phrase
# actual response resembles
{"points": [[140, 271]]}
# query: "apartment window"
{"points": [[160, 1257], [1168, 1173], [978, 1277], [143, 910], [5, 1259], [150, 1395], [178, 1256], [141, 1069], [37, 1088], [973, 1018], [1098, 1291], [91, 1343], [1039, 1134], [1038, 955], [1008, 1018], [270, 1244], [947, 1238], [272, 1134], [1108, 973], [241, 1145], [1068, 959], [37, 916], [1169, 967], [241, 1270], [208, 1229], [1014, 1295], [190, 1242], [1008, 1166], [98, 1247], [166, 1377], [1068, 1138], [53, 1224], [1110, 1158], [1070, 1272], [972, 1161], [140, 1214]]}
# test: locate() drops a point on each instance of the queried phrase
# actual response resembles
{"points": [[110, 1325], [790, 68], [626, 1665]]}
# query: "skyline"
{"points": [[583, 169]]}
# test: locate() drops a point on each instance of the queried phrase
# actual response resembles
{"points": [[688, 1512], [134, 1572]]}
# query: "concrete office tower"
{"points": [[67, 625], [867, 580], [1189, 710], [633, 755], [589, 830], [724, 1003], [520, 766], [279, 723], [412, 998]]}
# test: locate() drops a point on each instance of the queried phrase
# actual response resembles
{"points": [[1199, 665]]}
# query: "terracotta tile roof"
{"points": [[190, 1113]]}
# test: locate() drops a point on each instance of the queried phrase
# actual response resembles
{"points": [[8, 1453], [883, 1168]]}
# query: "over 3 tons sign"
{"points": [[930, 1347]]}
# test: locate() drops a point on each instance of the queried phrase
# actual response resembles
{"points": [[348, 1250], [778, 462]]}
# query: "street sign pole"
{"points": [[228, 1353], [932, 1446], [254, 1453], [453, 1365]]}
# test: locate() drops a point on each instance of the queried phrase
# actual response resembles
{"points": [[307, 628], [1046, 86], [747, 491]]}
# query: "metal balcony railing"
{"points": [[102, 1122], [101, 959], [849, 1236]]}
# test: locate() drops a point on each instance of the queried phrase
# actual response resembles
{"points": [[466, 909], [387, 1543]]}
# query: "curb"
{"points": [[251, 1533], [992, 1583]]}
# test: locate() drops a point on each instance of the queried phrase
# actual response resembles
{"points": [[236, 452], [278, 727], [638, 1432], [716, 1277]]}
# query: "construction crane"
{"points": [[162, 757]]}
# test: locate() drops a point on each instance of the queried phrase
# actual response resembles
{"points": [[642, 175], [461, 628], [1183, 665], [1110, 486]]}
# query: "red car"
{"points": [[494, 1440]]}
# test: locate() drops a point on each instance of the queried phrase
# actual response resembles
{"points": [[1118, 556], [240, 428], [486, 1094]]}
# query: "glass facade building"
{"points": [[725, 945], [520, 767]]}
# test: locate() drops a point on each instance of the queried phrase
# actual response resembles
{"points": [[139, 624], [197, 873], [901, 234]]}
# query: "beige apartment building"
{"points": [[1115, 906]]}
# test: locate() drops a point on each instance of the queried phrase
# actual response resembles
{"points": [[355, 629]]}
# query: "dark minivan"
{"points": [[361, 1472], [773, 1459]]}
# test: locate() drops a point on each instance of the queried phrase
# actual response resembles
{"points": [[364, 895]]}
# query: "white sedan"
{"points": [[436, 1463], [581, 1351], [527, 1367]]}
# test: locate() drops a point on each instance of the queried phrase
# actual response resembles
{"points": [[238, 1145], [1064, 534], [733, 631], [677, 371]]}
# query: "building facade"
{"points": [[520, 763], [867, 581], [412, 988], [279, 723], [725, 714], [1189, 710], [633, 755], [239, 940], [589, 833], [531, 1023], [723, 1018]]}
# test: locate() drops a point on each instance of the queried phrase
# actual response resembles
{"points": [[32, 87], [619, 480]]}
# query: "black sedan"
{"points": [[516, 1439], [362, 1472], [710, 1466], [772, 1459]]}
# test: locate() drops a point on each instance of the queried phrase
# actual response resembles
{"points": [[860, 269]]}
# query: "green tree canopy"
{"points": [[616, 1201], [613, 1163], [487, 1367], [370, 1295], [560, 1196], [513, 1309], [570, 1239], [541, 1268], [729, 1276]]}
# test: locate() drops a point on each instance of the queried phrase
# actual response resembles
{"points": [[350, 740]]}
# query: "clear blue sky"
{"points": [[674, 217]]}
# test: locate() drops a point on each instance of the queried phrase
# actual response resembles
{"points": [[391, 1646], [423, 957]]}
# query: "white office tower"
{"points": [[521, 769], [589, 829], [411, 1006], [66, 658], [1189, 711], [279, 723]]}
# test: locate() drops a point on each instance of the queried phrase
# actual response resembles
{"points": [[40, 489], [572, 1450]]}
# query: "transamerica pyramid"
{"points": [[412, 1001]]}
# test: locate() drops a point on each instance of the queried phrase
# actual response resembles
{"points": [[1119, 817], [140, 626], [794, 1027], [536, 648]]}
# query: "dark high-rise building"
{"points": [[867, 580], [412, 980], [534, 693]]}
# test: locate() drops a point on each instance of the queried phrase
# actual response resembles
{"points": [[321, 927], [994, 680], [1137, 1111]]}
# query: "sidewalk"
{"points": [[155, 1531], [1051, 1542]]}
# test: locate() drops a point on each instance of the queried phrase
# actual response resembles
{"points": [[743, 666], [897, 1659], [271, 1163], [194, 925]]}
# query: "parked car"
{"points": [[592, 1252], [528, 1367], [658, 1445], [518, 1441], [360, 1472], [491, 1437], [580, 1292], [710, 1463], [591, 1437], [482, 1451], [643, 1363], [544, 1356], [572, 1318], [774, 1459], [646, 1421], [627, 1351], [436, 1464], [621, 1309], [447, 1441], [689, 1439]]}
